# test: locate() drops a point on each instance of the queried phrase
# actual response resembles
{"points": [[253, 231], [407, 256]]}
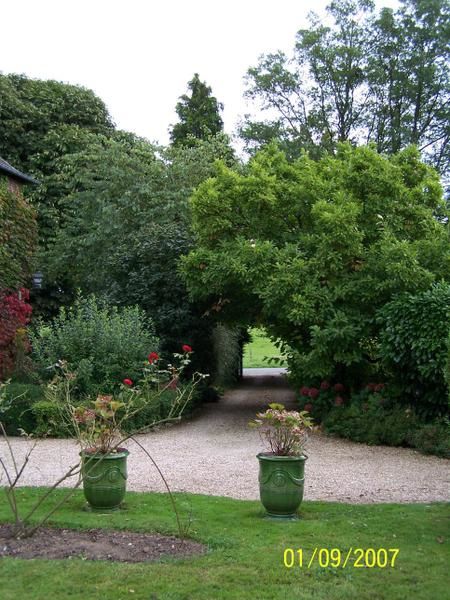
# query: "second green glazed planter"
{"points": [[281, 482], [104, 479]]}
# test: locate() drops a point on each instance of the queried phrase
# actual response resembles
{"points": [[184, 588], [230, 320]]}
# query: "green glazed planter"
{"points": [[281, 482], [104, 479]]}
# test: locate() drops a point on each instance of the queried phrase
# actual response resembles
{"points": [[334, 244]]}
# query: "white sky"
{"points": [[138, 55]]}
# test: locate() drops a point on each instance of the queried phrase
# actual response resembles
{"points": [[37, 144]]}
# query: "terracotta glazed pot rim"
{"points": [[277, 457], [92, 452]]}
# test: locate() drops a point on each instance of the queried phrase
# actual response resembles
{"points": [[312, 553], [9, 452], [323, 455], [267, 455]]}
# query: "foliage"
{"points": [[18, 238], [362, 77], [318, 401], [99, 425], [231, 569], [41, 122], [15, 313], [227, 354], [375, 420], [103, 343], [369, 418], [284, 431], [312, 249], [413, 347], [17, 401], [433, 438], [125, 223], [31, 108], [198, 113]]}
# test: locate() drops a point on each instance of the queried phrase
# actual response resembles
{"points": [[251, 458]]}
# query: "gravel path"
{"points": [[214, 453]]}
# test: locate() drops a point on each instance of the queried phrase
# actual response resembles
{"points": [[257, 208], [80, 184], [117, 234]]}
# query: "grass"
{"points": [[259, 350], [245, 558]]}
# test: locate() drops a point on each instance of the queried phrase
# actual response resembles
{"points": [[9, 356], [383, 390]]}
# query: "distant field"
{"points": [[259, 350]]}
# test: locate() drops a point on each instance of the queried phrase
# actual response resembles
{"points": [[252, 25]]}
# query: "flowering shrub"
{"points": [[320, 401], [285, 432], [15, 313], [99, 424]]}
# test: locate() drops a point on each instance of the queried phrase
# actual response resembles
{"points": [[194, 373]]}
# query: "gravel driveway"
{"points": [[214, 453]]}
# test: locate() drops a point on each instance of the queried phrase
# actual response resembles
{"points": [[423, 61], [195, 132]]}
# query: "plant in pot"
{"points": [[281, 469], [104, 462], [102, 426]]}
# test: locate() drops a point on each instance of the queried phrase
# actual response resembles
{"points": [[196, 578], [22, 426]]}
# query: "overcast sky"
{"points": [[138, 55]]}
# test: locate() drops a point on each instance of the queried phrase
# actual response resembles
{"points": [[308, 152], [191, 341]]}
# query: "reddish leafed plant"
{"points": [[15, 313]]}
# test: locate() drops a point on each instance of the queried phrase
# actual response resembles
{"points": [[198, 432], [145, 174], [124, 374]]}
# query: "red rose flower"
{"points": [[379, 387], [324, 385], [152, 357], [313, 392], [308, 407], [304, 391], [339, 387], [127, 382], [338, 401], [186, 348]]}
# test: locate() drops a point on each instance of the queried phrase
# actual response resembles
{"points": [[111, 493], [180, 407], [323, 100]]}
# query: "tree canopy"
{"points": [[311, 249], [125, 221], [198, 113], [361, 77], [32, 108]]}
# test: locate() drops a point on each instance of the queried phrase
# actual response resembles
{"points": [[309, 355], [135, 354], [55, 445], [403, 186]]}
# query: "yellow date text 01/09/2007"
{"points": [[368, 558]]}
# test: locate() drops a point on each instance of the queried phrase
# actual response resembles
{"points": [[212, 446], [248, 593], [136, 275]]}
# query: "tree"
{"points": [[199, 115], [31, 108], [125, 223], [312, 249], [40, 122], [361, 78]]}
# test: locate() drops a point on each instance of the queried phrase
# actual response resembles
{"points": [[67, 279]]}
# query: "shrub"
{"points": [[48, 421], [433, 438], [370, 422], [157, 409], [14, 315], [413, 347], [104, 344], [16, 407], [318, 401]]}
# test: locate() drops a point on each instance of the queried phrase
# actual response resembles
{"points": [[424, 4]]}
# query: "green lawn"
{"points": [[259, 350], [245, 558]]}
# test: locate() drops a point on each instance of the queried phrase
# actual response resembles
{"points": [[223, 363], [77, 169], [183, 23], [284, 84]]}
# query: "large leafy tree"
{"points": [[312, 249], [40, 122], [31, 108], [198, 113], [360, 77], [125, 223]]}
